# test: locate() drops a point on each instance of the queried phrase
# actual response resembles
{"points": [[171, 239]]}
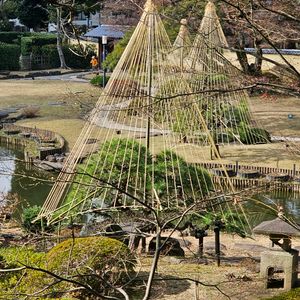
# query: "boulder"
{"points": [[51, 158], [171, 248]]}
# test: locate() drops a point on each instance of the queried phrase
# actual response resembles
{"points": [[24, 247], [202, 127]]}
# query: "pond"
{"points": [[32, 187], [289, 201], [29, 183]]}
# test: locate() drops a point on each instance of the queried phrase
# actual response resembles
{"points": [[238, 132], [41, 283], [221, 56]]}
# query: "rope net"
{"points": [[143, 141], [221, 96], [181, 46]]}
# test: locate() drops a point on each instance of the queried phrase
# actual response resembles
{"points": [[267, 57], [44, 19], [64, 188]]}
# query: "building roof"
{"points": [[277, 226], [111, 31]]}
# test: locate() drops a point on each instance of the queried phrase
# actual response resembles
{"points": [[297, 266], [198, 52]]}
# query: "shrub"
{"points": [[80, 61], [12, 37], [293, 294], [9, 57], [5, 25], [254, 135], [112, 58], [85, 260], [98, 80], [37, 40], [30, 111], [13, 257], [28, 215], [110, 259]]}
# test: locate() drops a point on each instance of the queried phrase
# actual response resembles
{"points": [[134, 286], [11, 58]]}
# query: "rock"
{"points": [[54, 73], [60, 159], [171, 248], [3, 114], [114, 230], [51, 158]]}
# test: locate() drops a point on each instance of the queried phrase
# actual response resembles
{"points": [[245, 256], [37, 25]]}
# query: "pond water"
{"points": [[30, 184], [32, 188], [259, 211]]}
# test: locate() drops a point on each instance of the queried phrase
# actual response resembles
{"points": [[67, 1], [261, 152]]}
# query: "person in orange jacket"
{"points": [[94, 63]]}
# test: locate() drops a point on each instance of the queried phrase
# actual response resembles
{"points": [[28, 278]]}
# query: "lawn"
{"points": [[56, 99], [63, 106]]}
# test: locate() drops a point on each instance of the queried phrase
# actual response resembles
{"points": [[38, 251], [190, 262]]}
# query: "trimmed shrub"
{"points": [[36, 40], [98, 80], [9, 57], [109, 258], [254, 135], [12, 37], [12, 257], [26, 45]]}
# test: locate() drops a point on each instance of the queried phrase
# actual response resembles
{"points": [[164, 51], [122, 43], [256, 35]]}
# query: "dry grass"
{"points": [[75, 97]]}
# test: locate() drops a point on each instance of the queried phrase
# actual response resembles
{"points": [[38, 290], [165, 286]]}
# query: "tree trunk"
{"points": [[62, 60], [241, 55], [258, 59], [154, 265]]}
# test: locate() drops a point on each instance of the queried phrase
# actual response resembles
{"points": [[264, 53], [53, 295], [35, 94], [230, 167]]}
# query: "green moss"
{"points": [[77, 259], [294, 294]]}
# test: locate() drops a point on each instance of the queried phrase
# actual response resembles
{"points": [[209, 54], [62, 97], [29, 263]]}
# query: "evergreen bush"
{"points": [[9, 57], [28, 215], [36, 40], [254, 135], [98, 80], [110, 259], [12, 37]]}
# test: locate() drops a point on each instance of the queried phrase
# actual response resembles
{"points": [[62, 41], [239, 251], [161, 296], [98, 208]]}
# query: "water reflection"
{"points": [[260, 210], [7, 169], [30, 184]]}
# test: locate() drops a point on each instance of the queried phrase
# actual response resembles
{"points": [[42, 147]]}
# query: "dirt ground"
{"points": [[237, 277], [272, 114], [293, 59]]}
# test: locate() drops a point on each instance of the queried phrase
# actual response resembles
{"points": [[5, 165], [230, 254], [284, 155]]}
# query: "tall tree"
{"points": [[34, 13], [262, 24]]}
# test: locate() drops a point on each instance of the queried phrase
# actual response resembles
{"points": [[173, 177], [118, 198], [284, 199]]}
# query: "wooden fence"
{"points": [[261, 169], [259, 184]]}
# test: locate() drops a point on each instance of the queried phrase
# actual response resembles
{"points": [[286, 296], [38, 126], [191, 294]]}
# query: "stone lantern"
{"points": [[279, 265]]}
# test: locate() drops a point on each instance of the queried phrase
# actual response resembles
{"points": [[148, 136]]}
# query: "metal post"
{"points": [[217, 243], [99, 52], [104, 43], [200, 249]]}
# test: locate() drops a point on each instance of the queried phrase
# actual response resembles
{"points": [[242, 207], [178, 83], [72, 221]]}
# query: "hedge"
{"points": [[12, 37], [9, 57], [36, 40], [72, 60]]}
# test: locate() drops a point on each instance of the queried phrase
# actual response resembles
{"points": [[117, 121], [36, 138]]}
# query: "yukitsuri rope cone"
{"points": [[141, 139], [221, 97], [181, 46]]}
